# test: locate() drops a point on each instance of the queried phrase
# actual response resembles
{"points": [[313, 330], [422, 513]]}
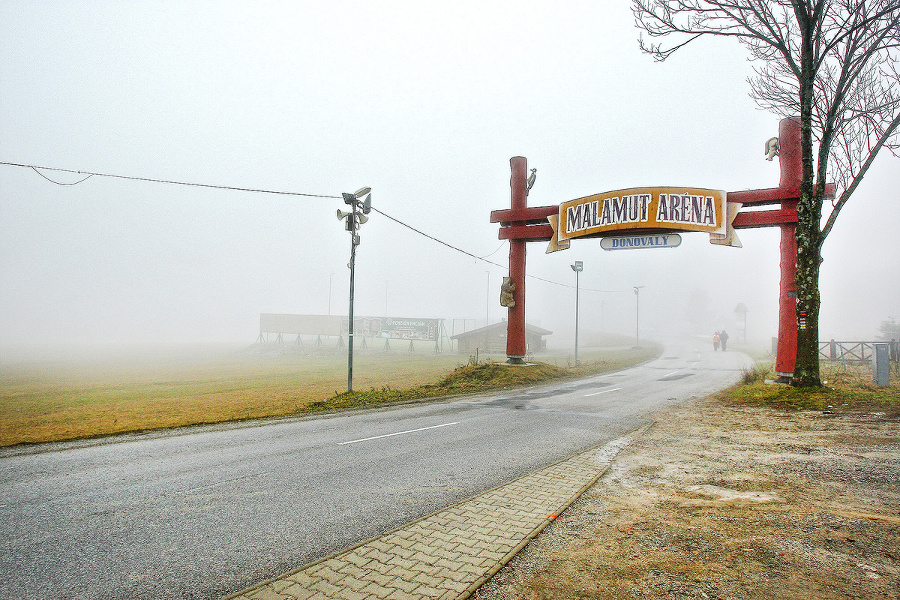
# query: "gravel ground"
{"points": [[728, 502]]}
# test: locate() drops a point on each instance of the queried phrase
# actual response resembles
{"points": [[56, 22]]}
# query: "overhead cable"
{"points": [[152, 180], [35, 169], [482, 258], [88, 174]]}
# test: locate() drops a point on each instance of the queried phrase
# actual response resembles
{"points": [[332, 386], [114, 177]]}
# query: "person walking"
{"points": [[723, 337], [716, 341]]}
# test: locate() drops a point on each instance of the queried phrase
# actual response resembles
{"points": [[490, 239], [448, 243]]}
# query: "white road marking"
{"points": [[376, 437], [603, 392], [672, 373]]}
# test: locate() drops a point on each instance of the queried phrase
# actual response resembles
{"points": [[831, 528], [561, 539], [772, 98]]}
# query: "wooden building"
{"points": [[492, 339]]}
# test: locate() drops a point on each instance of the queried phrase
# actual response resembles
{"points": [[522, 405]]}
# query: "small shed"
{"points": [[492, 339]]}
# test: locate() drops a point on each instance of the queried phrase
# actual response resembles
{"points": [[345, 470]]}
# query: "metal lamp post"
{"points": [[741, 309], [578, 267], [487, 304], [353, 220], [330, 281], [637, 315]]}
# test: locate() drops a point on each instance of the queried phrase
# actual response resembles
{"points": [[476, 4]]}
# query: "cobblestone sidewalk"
{"points": [[450, 554]]}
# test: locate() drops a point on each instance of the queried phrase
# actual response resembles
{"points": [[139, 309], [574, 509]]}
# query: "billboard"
{"points": [[386, 327], [394, 328], [300, 324], [410, 329]]}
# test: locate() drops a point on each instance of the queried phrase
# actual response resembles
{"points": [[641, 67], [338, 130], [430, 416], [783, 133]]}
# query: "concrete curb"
{"points": [[450, 553]]}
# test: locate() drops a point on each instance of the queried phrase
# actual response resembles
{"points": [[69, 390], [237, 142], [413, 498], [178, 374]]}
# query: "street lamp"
{"points": [[330, 281], [487, 304], [637, 315], [741, 310], [354, 218], [577, 267]]}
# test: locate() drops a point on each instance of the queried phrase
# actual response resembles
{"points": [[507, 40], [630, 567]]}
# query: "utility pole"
{"points": [[353, 244], [353, 220]]}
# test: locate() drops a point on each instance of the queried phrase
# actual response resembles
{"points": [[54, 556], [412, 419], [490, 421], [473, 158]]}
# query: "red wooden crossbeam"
{"points": [[531, 233], [530, 223], [764, 218], [764, 196], [529, 214], [786, 215]]}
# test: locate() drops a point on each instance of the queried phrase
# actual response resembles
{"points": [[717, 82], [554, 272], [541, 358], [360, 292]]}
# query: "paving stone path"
{"points": [[449, 554]]}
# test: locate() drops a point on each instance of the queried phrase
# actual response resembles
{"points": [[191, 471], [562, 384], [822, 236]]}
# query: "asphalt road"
{"points": [[206, 513]]}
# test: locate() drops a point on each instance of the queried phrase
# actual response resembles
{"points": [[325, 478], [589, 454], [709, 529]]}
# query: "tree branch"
{"points": [[845, 195]]}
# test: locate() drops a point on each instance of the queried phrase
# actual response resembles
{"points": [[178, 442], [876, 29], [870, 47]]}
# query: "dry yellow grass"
{"points": [[69, 397], [86, 395]]}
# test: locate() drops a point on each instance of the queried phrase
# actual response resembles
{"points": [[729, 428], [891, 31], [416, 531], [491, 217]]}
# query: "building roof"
{"points": [[529, 330]]}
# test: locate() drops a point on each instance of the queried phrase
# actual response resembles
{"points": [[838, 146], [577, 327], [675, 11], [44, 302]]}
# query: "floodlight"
{"points": [[361, 192], [367, 204]]}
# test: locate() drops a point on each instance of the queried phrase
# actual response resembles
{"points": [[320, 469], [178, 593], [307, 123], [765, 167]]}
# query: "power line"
{"points": [[59, 182], [495, 251], [152, 180], [483, 258], [431, 237], [88, 174]]}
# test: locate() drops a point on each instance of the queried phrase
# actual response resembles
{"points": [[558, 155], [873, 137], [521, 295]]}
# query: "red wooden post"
{"points": [[789, 157], [515, 329], [791, 171], [786, 357]]}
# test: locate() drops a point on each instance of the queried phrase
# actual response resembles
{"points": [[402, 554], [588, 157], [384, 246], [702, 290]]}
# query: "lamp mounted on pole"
{"points": [[637, 315], [355, 217], [330, 281], [578, 267]]}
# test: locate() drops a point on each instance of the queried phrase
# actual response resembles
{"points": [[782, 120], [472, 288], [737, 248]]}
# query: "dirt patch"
{"points": [[722, 501]]}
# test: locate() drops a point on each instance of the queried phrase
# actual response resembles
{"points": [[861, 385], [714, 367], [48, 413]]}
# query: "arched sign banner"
{"points": [[648, 208]]}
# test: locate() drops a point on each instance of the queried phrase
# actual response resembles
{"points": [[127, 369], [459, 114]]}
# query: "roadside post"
{"points": [[881, 365]]}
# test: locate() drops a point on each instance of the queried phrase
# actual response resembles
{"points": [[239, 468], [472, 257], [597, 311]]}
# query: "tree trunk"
{"points": [[806, 371], [809, 257], [808, 231]]}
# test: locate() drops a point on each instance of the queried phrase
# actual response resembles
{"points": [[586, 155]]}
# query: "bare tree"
{"points": [[832, 62]]}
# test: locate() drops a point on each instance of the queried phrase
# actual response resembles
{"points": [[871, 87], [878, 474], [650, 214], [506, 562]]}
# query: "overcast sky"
{"points": [[423, 101]]}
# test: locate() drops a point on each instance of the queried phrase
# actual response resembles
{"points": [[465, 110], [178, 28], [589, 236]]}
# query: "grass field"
{"points": [[88, 393], [847, 387]]}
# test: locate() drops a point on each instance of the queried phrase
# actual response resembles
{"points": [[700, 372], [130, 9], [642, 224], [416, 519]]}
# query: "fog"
{"points": [[425, 103]]}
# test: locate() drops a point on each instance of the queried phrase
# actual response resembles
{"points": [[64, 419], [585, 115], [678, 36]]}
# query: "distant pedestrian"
{"points": [[724, 339], [716, 341]]}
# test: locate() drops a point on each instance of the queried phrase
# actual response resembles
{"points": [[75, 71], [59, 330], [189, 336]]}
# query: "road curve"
{"points": [[207, 513]]}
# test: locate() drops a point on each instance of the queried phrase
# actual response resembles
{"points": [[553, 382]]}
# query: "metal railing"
{"points": [[855, 352]]}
